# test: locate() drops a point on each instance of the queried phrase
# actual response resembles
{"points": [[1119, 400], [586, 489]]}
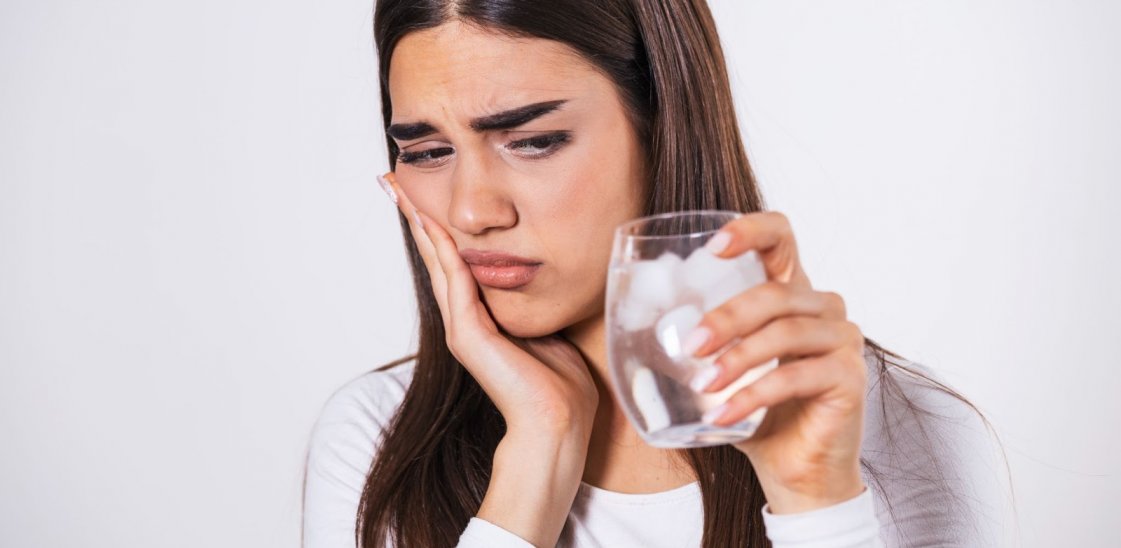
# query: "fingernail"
{"points": [[416, 217], [713, 414], [719, 242], [388, 188], [695, 340], [703, 378]]}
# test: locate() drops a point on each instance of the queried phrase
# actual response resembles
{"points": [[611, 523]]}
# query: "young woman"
{"points": [[522, 133]]}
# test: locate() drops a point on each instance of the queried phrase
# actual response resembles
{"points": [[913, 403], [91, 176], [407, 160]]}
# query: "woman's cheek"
{"points": [[432, 196]]}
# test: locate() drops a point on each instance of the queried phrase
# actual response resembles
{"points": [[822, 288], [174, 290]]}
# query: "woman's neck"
{"points": [[618, 458]]}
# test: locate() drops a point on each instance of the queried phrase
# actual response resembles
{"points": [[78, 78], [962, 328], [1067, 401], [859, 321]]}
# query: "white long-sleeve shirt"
{"points": [[941, 473]]}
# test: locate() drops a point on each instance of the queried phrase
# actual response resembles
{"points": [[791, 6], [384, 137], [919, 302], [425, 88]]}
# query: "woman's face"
{"points": [[518, 146]]}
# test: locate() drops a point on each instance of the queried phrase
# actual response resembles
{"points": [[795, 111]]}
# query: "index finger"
{"points": [[424, 244], [768, 233]]}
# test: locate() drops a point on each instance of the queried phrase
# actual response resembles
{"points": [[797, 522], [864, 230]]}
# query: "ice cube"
{"points": [[723, 290], [748, 271], [651, 283], [751, 266], [644, 390], [670, 260], [703, 269], [674, 326], [634, 316]]}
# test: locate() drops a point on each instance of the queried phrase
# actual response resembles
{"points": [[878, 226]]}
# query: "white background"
{"points": [[194, 253]]}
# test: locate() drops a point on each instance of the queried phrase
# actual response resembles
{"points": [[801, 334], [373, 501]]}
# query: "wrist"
{"points": [[541, 463], [792, 498], [533, 483], [554, 425]]}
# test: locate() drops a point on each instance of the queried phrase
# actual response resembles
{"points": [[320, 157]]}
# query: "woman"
{"points": [[526, 131]]}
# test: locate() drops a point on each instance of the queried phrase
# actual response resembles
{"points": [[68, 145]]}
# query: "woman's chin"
{"points": [[528, 319], [529, 325], [527, 329], [526, 322], [517, 315]]}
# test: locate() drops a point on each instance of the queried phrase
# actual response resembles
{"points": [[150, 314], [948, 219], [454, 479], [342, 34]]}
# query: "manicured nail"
{"points": [[713, 414], [416, 217], [388, 188], [719, 242], [703, 378], [695, 340]]}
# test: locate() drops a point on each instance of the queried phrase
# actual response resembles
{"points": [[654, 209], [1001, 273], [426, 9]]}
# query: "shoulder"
{"points": [[371, 399], [932, 458], [356, 415], [342, 446]]}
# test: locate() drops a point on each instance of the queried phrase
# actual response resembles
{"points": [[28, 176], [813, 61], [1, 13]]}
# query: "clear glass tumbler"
{"points": [[660, 283]]}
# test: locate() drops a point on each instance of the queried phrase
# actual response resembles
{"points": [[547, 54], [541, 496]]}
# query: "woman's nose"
{"points": [[479, 201]]}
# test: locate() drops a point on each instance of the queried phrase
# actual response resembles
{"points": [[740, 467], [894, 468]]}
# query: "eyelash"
{"points": [[546, 144]]}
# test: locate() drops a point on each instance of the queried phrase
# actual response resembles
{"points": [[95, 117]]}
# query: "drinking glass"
{"points": [[660, 282]]}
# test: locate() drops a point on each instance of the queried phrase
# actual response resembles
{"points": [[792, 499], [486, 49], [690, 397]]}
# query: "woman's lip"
{"points": [[494, 258], [504, 277], [499, 270]]}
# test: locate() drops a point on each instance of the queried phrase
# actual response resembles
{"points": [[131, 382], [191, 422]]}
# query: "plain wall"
{"points": [[194, 253]]}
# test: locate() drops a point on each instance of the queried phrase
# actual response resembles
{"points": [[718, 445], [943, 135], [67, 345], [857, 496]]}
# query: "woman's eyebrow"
{"points": [[507, 119], [408, 132]]}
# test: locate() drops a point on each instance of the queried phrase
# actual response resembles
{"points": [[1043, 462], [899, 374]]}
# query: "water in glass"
{"points": [[660, 283]]}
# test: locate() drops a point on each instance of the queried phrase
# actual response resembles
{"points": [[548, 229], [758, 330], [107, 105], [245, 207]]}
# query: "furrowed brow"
{"points": [[408, 132], [507, 119], [513, 118]]}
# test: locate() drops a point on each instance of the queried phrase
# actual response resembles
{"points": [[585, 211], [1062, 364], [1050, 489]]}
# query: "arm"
{"points": [[533, 484], [540, 385], [527, 494], [342, 445], [939, 475], [849, 524]]}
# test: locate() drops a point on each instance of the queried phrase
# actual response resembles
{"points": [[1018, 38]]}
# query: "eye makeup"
{"points": [[422, 156], [530, 148], [540, 146]]}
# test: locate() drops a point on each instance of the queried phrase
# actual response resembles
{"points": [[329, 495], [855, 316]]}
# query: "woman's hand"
{"points": [[541, 386], [806, 453]]}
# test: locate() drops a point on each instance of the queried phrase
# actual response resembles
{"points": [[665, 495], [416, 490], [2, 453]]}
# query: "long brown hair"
{"points": [[664, 56]]}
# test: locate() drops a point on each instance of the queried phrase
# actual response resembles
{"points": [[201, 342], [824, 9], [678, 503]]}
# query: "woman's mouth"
{"points": [[500, 270]]}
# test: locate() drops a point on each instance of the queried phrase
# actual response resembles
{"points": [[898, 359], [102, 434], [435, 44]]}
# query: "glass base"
{"points": [[699, 434]]}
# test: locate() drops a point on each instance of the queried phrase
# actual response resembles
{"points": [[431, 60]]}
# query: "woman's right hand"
{"points": [[541, 386]]}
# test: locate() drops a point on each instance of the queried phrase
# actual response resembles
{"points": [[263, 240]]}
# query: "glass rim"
{"points": [[621, 230]]}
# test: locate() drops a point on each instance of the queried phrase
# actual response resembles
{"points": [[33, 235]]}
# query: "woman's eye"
{"points": [[532, 148], [426, 158], [540, 146]]}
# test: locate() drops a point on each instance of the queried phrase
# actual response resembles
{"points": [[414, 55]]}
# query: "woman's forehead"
{"points": [[461, 67]]}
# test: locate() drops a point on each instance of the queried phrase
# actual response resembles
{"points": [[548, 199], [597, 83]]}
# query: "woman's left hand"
{"points": [[806, 453]]}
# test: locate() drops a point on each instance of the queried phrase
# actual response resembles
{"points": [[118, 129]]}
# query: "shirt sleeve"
{"points": [[849, 524], [481, 533], [935, 472], [340, 451], [343, 444]]}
